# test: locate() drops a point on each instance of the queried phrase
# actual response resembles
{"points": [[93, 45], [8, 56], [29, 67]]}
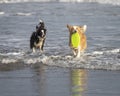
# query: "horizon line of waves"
{"points": [[102, 60], [17, 14], [19, 1], [112, 2]]}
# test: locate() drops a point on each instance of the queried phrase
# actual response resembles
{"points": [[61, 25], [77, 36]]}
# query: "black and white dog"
{"points": [[38, 37]]}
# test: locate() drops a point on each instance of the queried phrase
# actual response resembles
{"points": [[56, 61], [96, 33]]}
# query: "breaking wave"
{"points": [[1, 13], [16, 14], [23, 14], [113, 2], [105, 60]]}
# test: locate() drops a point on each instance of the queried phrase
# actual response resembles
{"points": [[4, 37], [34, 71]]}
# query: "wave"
{"points": [[23, 14], [105, 60], [2, 13], [113, 2], [17, 14]]}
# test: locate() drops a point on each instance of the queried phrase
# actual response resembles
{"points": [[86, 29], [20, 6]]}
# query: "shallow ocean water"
{"points": [[18, 21], [56, 71]]}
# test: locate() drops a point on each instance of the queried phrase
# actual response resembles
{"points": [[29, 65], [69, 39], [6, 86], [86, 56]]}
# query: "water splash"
{"points": [[107, 60]]}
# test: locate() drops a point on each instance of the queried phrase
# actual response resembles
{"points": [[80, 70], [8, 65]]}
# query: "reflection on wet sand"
{"points": [[79, 82], [61, 82], [52, 81], [40, 79], [11, 67]]}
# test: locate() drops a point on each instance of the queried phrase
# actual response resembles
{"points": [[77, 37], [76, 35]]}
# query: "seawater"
{"points": [[56, 72], [113, 2], [18, 21]]}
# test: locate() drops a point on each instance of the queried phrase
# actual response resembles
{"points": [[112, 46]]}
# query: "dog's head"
{"points": [[77, 36], [40, 26], [74, 29], [40, 29], [42, 33]]}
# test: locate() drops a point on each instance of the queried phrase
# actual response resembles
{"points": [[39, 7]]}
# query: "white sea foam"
{"points": [[23, 14], [108, 60], [114, 51], [12, 54], [7, 61], [1, 13]]}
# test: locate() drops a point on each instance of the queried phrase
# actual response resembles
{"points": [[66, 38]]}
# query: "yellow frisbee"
{"points": [[75, 40]]}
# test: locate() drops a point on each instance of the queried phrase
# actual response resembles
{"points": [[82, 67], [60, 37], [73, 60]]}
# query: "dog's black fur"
{"points": [[38, 37]]}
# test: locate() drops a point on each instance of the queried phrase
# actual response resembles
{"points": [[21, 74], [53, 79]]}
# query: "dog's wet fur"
{"points": [[38, 37]]}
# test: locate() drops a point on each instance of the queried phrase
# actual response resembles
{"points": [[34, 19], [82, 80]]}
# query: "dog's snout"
{"points": [[42, 33], [74, 31]]}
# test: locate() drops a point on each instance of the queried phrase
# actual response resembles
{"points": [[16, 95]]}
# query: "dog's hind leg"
{"points": [[33, 49]]}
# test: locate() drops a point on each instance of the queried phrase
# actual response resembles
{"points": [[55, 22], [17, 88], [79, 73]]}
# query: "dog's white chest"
{"points": [[39, 43]]}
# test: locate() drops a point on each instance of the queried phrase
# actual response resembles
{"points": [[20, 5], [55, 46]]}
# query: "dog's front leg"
{"points": [[41, 51], [78, 52], [74, 52], [42, 45]]}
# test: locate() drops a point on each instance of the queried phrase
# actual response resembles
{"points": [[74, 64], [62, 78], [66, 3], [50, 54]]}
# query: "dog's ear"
{"points": [[85, 27], [69, 27]]}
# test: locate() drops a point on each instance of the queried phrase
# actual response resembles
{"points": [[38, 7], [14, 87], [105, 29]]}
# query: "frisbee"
{"points": [[75, 40]]}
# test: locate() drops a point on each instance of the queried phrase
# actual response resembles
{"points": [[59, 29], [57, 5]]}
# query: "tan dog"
{"points": [[82, 42]]}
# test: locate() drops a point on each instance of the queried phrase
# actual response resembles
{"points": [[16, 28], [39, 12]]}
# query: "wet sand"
{"points": [[41, 80]]}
